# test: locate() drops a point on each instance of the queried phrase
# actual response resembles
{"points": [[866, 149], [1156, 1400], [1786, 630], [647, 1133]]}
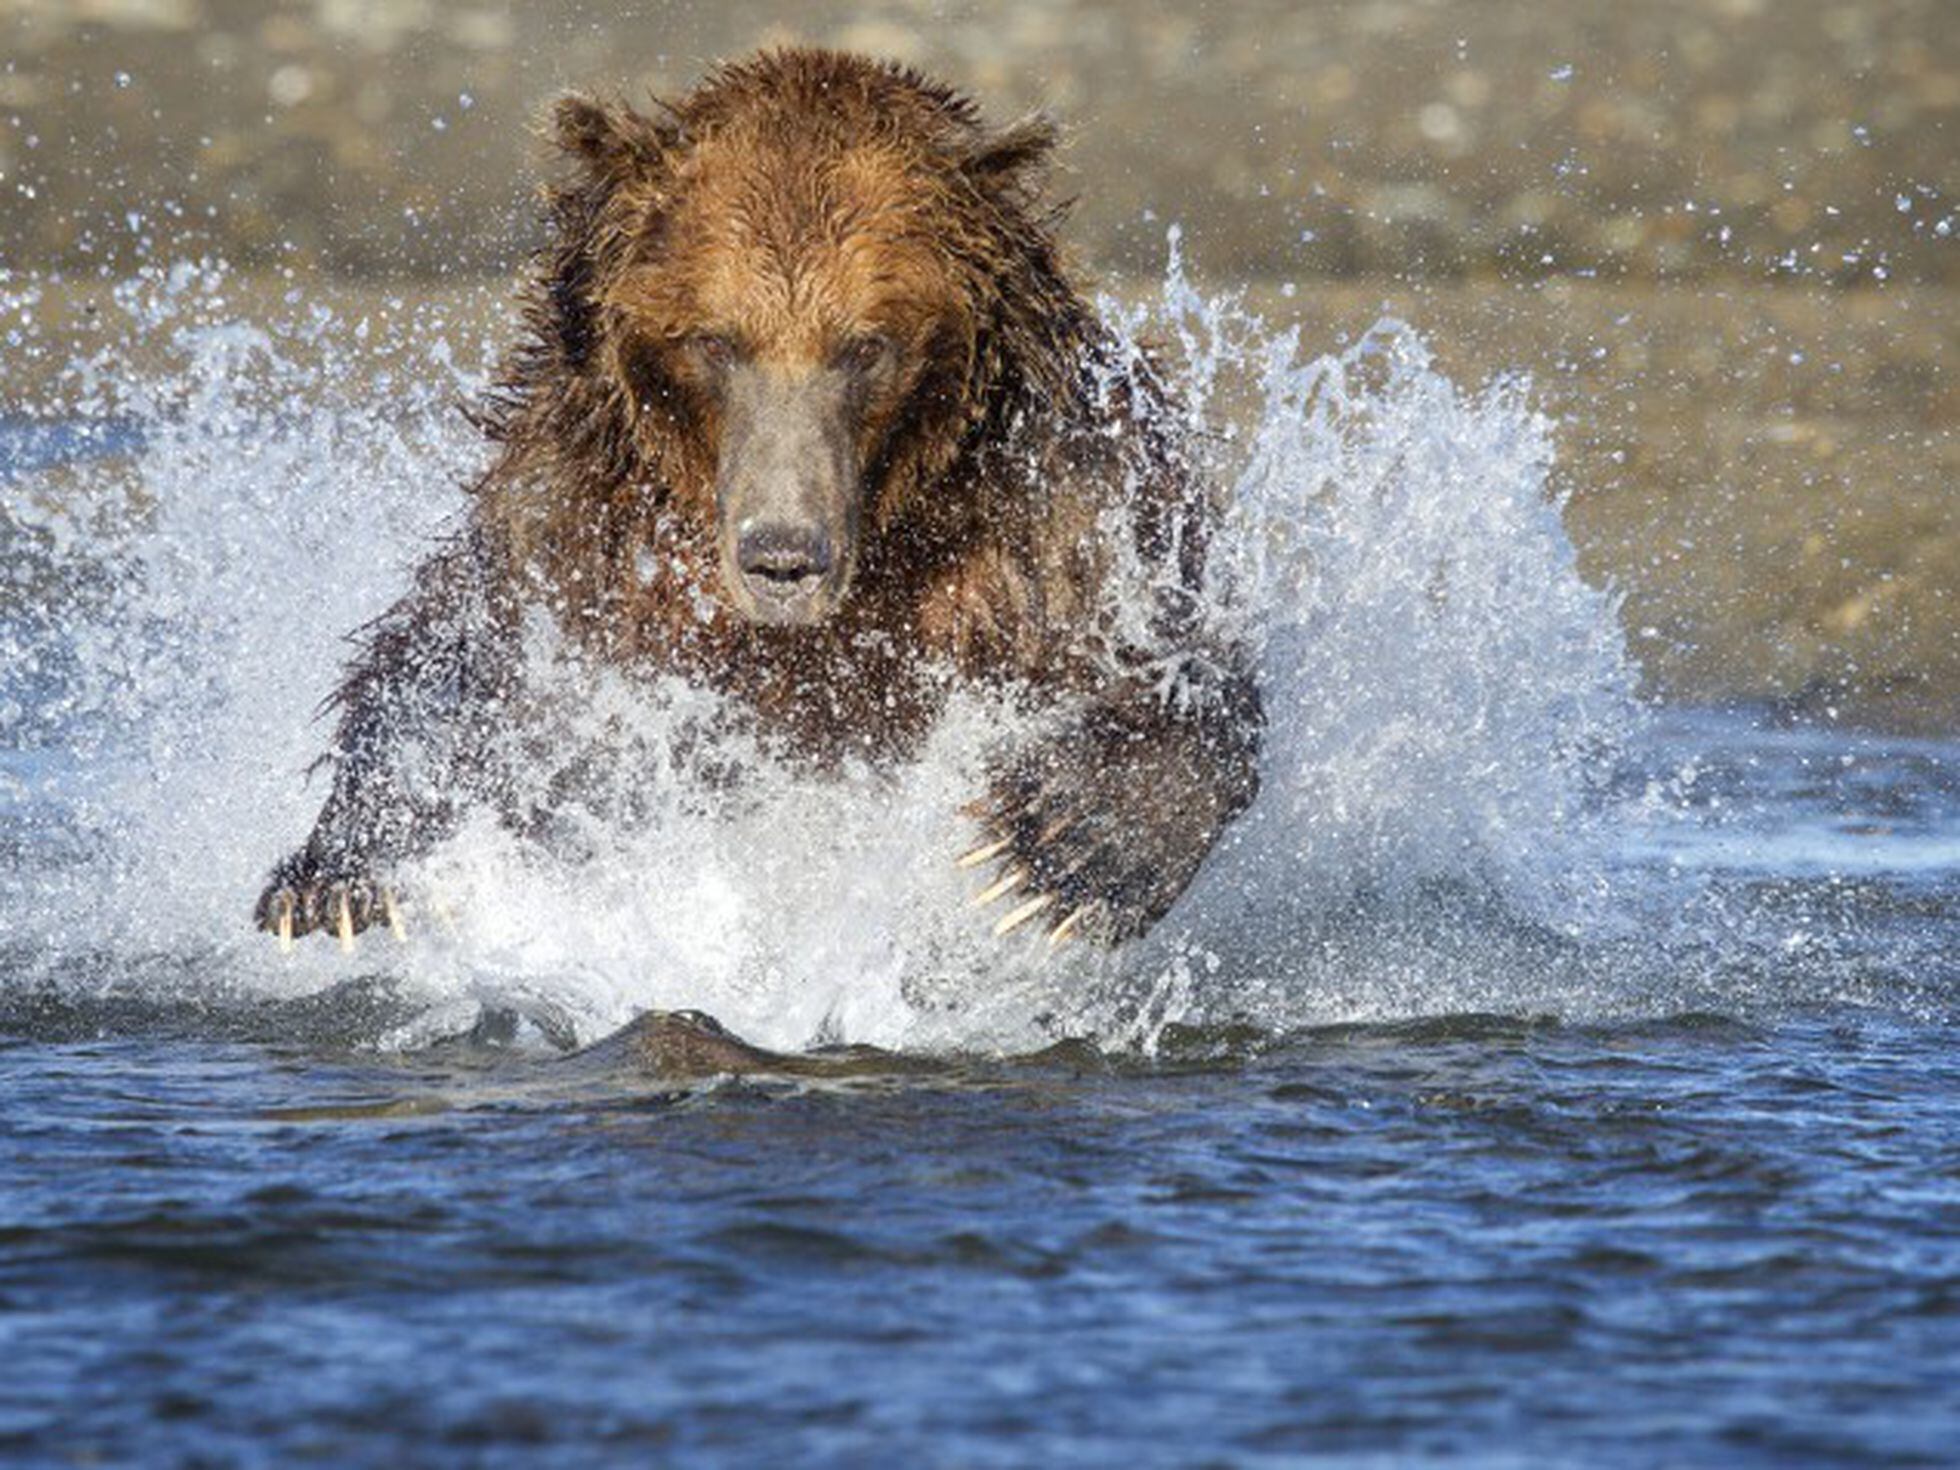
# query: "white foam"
{"points": [[1446, 696]]}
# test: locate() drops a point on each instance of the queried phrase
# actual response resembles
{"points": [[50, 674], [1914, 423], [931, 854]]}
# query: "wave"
{"points": [[1444, 823]]}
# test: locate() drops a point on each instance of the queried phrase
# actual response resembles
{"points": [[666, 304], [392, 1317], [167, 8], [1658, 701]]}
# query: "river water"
{"points": [[1535, 1077]]}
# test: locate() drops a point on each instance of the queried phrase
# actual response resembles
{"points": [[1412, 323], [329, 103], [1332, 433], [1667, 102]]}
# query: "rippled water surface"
{"points": [[1534, 1078], [1690, 1240]]}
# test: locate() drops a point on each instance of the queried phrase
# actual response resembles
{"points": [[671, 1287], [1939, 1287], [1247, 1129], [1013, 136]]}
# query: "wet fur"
{"points": [[797, 199]]}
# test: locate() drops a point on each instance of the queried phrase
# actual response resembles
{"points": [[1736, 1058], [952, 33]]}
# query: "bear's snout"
{"points": [[784, 567], [787, 493]]}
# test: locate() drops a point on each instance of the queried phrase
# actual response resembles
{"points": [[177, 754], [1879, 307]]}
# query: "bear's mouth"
{"points": [[784, 573]]}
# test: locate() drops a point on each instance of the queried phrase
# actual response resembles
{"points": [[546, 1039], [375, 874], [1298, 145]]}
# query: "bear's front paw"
{"points": [[1094, 835], [302, 898]]}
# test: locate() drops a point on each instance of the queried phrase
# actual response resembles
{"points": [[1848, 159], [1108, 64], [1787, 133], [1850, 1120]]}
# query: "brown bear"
{"points": [[805, 410]]}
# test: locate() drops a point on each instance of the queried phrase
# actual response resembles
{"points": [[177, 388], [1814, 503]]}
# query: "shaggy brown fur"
{"points": [[814, 219]]}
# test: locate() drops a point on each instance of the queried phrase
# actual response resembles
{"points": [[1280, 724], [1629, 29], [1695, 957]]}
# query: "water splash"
{"points": [[1449, 701], [263, 516]]}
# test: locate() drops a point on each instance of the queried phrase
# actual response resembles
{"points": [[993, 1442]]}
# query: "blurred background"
{"points": [[1723, 236]]}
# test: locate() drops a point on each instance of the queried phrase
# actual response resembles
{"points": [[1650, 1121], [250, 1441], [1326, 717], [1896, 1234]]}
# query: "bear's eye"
{"points": [[864, 354], [710, 351]]}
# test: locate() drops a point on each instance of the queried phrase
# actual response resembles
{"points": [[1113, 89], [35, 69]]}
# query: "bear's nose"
{"points": [[784, 557]]}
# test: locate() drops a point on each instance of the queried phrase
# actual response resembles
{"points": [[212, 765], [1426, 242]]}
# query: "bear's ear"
{"points": [[1014, 157], [612, 140]]}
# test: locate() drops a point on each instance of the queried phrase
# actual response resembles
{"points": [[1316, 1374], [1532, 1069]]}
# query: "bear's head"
{"points": [[799, 294]]}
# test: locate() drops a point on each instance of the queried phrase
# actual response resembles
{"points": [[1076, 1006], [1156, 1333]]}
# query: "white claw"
{"points": [[395, 925], [345, 925], [1012, 921], [980, 855], [1061, 931], [1012, 879], [285, 904]]}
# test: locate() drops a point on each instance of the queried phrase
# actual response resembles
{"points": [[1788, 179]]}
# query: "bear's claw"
{"points": [[1068, 925], [1015, 918], [984, 852], [1099, 829], [1064, 862], [394, 914], [1012, 879], [1082, 917], [296, 904]]}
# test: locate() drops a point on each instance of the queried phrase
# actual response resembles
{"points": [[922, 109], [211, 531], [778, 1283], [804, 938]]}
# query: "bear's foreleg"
{"points": [[1099, 828], [412, 751]]}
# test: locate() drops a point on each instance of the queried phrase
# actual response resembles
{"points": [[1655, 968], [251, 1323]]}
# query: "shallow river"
{"points": [[1537, 1079], [1674, 1238]]}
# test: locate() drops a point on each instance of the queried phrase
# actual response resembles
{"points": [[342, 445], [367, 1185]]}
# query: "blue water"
{"points": [[235, 1233], [1538, 1078], [28, 444]]}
